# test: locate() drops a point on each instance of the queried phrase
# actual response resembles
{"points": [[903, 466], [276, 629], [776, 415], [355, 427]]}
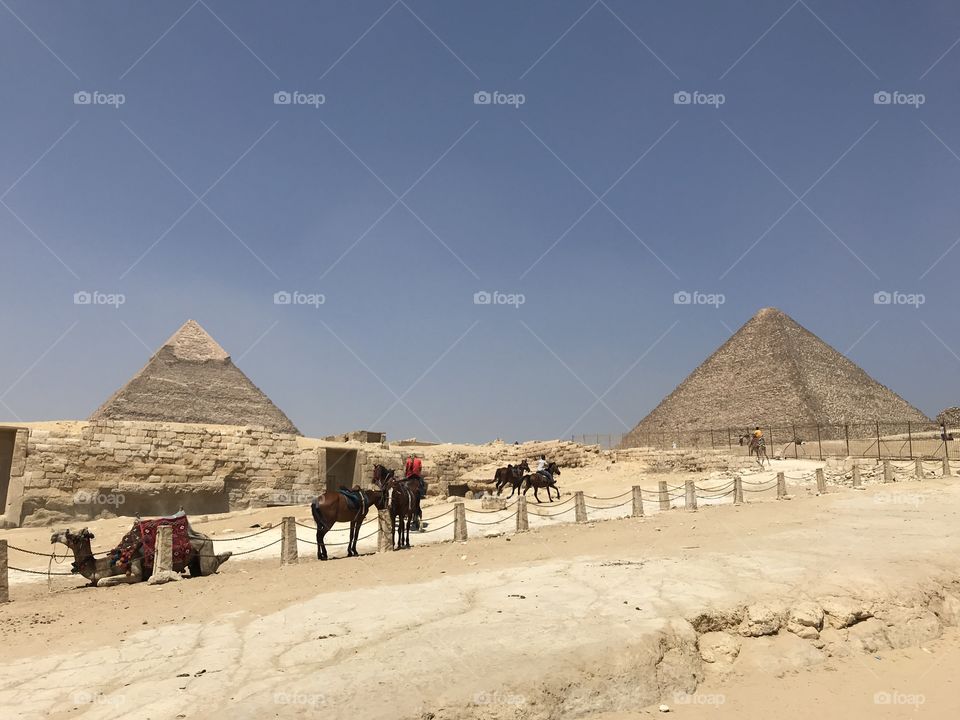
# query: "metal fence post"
{"points": [[910, 438], [878, 439], [819, 443], [846, 435]]}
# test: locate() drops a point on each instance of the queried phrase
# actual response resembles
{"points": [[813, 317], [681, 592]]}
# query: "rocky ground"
{"points": [[843, 605]]}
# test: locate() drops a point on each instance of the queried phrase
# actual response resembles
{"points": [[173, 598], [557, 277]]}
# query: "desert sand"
{"points": [[608, 619]]}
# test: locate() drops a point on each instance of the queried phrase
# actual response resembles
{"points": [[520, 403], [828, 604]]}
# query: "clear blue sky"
{"points": [[104, 198]]}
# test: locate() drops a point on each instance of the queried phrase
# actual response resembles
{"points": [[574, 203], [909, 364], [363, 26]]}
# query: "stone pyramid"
{"points": [[775, 373], [191, 379]]}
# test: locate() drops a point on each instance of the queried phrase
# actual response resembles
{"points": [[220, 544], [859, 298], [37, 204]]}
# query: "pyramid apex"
{"points": [[192, 342], [769, 312]]}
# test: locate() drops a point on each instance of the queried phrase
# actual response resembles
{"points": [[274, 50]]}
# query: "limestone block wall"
{"points": [[88, 469]]}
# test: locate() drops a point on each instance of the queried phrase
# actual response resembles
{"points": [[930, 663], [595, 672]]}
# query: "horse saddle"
{"points": [[353, 497]]}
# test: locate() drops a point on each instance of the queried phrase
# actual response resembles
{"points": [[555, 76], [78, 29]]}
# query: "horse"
{"points": [[382, 475], [332, 507], [403, 503], [537, 481], [512, 474]]}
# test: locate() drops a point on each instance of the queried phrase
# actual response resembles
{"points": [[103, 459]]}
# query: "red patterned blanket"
{"points": [[141, 540]]}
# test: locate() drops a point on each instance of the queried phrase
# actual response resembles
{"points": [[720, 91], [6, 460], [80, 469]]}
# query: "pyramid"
{"points": [[191, 379], [775, 373]]}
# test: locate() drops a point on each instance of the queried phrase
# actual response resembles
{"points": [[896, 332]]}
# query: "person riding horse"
{"points": [[543, 468], [413, 471]]}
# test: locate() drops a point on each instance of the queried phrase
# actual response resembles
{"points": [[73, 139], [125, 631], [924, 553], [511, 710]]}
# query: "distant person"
{"points": [[408, 467], [417, 467], [757, 433]]}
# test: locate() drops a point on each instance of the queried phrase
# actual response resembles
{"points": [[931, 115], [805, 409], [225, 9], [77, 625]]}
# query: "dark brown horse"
{"points": [[512, 474], [415, 484], [332, 507], [402, 500], [537, 481]]}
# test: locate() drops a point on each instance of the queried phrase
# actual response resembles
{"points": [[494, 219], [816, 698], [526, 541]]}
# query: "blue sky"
{"points": [[783, 182]]}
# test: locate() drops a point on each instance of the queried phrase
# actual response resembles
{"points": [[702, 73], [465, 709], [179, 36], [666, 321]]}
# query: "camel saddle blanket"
{"points": [[141, 540]]}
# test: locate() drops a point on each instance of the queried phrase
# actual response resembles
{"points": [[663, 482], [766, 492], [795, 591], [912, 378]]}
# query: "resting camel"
{"points": [[105, 571], [512, 474]]}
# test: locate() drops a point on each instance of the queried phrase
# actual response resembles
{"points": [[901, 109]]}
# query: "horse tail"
{"points": [[317, 515]]}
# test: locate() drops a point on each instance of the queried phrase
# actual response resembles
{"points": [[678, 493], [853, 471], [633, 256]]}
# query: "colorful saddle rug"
{"points": [[141, 541]]}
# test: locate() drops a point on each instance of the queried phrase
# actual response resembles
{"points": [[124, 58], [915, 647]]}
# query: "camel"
{"points": [[105, 571]]}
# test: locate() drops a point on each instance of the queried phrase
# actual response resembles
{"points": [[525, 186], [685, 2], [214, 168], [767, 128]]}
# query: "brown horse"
{"points": [[512, 474], [403, 502], [416, 484], [332, 507], [537, 481]]}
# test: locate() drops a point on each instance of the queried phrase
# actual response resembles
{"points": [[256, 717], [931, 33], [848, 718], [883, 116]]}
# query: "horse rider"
{"points": [[544, 468], [757, 438]]}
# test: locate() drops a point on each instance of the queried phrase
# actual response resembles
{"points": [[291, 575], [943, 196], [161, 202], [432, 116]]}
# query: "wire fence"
{"points": [[880, 440]]}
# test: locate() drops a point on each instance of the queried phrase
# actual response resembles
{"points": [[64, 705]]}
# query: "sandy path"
{"points": [[575, 608]]}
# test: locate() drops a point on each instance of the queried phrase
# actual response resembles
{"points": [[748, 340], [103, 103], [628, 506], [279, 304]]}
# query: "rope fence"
{"points": [[518, 511]]}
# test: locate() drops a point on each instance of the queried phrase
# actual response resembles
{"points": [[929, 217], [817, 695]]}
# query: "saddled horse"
{"points": [[403, 502], [416, 485], [333, 507], [537, 480], [512, 474]]}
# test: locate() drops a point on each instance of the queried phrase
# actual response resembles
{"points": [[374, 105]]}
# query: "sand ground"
{"points": [[563, 621]]}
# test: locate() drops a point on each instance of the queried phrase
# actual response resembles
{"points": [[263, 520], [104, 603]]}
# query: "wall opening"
{"points": [[341, 468], [8, 439]]}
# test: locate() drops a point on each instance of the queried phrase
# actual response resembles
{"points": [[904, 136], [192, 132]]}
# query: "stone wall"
{"points": [[83, 470], [108, 467]]}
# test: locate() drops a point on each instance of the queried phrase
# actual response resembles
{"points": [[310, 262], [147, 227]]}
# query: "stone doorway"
{"points": [[341, 468], [8, 439]]}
